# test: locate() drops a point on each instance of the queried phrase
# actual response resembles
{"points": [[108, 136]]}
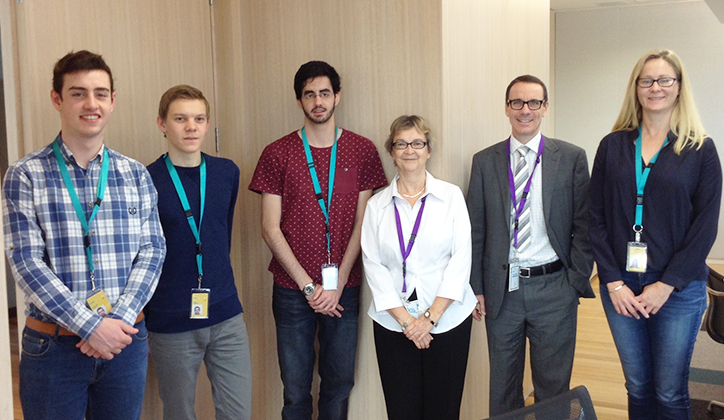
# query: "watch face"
{"points": [[309, 289], [427, 314]]}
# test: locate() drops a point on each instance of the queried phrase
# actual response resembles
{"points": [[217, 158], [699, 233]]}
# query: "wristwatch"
{"points": [[427, 315], [308, 289]]}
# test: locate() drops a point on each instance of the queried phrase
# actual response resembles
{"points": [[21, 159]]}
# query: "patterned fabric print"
{"points": [[44, 238], [282, 170]]}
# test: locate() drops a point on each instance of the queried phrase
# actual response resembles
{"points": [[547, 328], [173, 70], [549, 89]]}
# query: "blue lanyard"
{"points": [[187, 208], [641, 178], [318, 188], [100, 192], [511, 183]]}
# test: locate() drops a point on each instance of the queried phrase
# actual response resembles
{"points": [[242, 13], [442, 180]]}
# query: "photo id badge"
{"points": [[330, 276], [513, 276], [98, 303], [200, 303], [636, 257]]}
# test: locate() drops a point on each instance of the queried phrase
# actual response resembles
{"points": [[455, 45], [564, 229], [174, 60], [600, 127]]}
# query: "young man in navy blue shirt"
{"points": [[195, 314]]}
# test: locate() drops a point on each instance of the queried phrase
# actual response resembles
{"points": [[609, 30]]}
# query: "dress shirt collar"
{"points": [[432, 187], [68, 155], [533, 144]]}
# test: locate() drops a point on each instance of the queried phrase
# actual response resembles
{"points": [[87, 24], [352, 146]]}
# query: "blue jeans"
{"points": [[656, 352], [224, 349], [297, 325], [57, 381]]}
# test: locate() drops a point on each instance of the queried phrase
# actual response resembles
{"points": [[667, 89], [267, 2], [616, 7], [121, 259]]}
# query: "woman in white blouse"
{"points": [[416, 251]]}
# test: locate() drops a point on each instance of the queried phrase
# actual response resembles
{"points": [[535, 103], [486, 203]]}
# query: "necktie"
{"points": [[521, 177]]}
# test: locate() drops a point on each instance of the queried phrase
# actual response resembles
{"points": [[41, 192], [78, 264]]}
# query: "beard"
{"points": [[321, 119]]}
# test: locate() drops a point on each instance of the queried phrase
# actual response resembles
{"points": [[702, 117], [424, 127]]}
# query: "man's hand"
{"points": [[109, 338], [327, 302], [479, 311]]}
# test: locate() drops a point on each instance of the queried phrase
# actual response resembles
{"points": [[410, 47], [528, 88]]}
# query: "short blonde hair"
{"points": [[178, 92], [406, 122], [685, 121]]}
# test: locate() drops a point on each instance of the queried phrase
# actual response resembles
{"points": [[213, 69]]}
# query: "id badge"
{"points": [[636, 257], [200, 303], [330, 276], [98, 303], [413, 307], [513, 275]]}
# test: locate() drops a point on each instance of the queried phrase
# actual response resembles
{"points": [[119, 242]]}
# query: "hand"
{"points": [[624, 301], [109, 338], [654, 296], [479, 311], [86, 349], [418, 331], [326, 302]]}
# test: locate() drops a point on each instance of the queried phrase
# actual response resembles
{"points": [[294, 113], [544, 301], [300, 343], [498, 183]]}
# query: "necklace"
{"points": [[411, 196]]}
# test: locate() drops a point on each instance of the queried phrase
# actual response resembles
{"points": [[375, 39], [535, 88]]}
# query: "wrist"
{"points": [[615, 286], [431, 317]]}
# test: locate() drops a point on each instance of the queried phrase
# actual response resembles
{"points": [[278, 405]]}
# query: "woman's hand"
{"points": [[624, 300], [418, 331], [654, 296]]}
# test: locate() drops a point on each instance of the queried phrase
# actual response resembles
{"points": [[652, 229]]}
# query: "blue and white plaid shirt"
{"points": [[44, 238]]}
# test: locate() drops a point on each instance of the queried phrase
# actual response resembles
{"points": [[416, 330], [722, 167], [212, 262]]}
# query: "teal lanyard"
{"points": [[317, 188], [79, 207], [641, 177], [187, 209]]}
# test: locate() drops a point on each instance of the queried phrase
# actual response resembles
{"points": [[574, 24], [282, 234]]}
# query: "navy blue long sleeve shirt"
{"points": [[169, 308], [680, 214]]}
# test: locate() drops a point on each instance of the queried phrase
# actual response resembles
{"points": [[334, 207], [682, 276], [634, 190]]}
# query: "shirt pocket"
{"points": [[346, 180]]}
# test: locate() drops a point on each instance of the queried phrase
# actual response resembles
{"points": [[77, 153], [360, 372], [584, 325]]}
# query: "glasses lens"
{"points": [[418, 144], [399, 145], [666, 81], [516, 104], [645, 82], [534, 104]]}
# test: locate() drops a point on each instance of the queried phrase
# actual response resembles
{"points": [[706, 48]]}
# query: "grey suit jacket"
{"points": [[565, 207]]}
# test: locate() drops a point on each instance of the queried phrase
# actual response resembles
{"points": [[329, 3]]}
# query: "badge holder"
{"points": [[330, 276], [199, 303], [636, 253], [514, 272], [98, 302]]}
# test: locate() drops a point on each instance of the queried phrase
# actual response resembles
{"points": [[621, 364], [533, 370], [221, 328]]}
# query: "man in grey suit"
{"points": [[531, 257]]}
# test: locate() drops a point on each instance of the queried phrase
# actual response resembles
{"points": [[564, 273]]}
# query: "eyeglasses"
{"points": [[402, 145], [662, 81], [533, 104], [325, 94]]}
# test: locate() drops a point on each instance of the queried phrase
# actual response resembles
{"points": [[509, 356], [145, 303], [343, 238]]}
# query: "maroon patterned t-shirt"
{"points": [[282, 170]]}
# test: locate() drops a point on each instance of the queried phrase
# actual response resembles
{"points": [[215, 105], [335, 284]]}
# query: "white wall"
{"points": [[597, 49]]}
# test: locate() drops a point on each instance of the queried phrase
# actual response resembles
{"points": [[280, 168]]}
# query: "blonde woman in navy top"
{"points": [[655, 196]]}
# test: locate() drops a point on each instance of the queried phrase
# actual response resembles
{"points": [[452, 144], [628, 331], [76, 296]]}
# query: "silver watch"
{"points": [[308, 289]]}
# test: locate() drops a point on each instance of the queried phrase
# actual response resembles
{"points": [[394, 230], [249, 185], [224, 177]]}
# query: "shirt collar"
{"points": [[533, 144], [68, 155], [432, 187]]}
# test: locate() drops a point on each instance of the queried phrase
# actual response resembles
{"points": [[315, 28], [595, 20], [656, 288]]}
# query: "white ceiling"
{"points": [[560, 5]]}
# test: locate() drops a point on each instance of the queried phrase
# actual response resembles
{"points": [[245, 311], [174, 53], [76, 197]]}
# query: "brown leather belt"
{"points": [[49, 327]]}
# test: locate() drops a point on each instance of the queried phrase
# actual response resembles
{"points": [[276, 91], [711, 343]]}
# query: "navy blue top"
{"points": [[169, 308], [681, 208]]}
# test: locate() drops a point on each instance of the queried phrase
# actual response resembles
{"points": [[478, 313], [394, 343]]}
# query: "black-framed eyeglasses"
{"points": [[645, 82], [533, 104], [402, 145]]}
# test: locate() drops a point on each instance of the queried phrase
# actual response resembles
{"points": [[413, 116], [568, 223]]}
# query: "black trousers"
{"points": [[423, 384]]}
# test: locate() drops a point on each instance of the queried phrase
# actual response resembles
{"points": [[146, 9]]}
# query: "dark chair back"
{"points": [[572, 405], [714, 319]]}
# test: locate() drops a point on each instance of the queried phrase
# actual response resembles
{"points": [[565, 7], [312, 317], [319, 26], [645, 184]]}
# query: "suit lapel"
{"points": [[549, 164], [501, 171]]}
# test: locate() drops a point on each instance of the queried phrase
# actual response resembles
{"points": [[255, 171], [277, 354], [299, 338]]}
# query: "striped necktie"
{"points": [[521, 177]]}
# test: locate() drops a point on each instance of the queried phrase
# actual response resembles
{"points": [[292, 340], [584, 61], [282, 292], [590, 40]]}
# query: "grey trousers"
{"points": [[224, 349], [544, 310]]}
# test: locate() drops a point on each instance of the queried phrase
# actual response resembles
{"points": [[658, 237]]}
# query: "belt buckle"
{"points": [[524, 272]]}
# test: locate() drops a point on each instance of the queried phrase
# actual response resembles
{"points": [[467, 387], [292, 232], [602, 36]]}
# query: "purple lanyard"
{"points": [[406, 253], [526, 190]]}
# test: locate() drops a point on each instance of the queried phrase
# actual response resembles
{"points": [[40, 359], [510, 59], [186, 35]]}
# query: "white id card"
{"points": [[513, 276], [330, 276], [636, 257]]}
